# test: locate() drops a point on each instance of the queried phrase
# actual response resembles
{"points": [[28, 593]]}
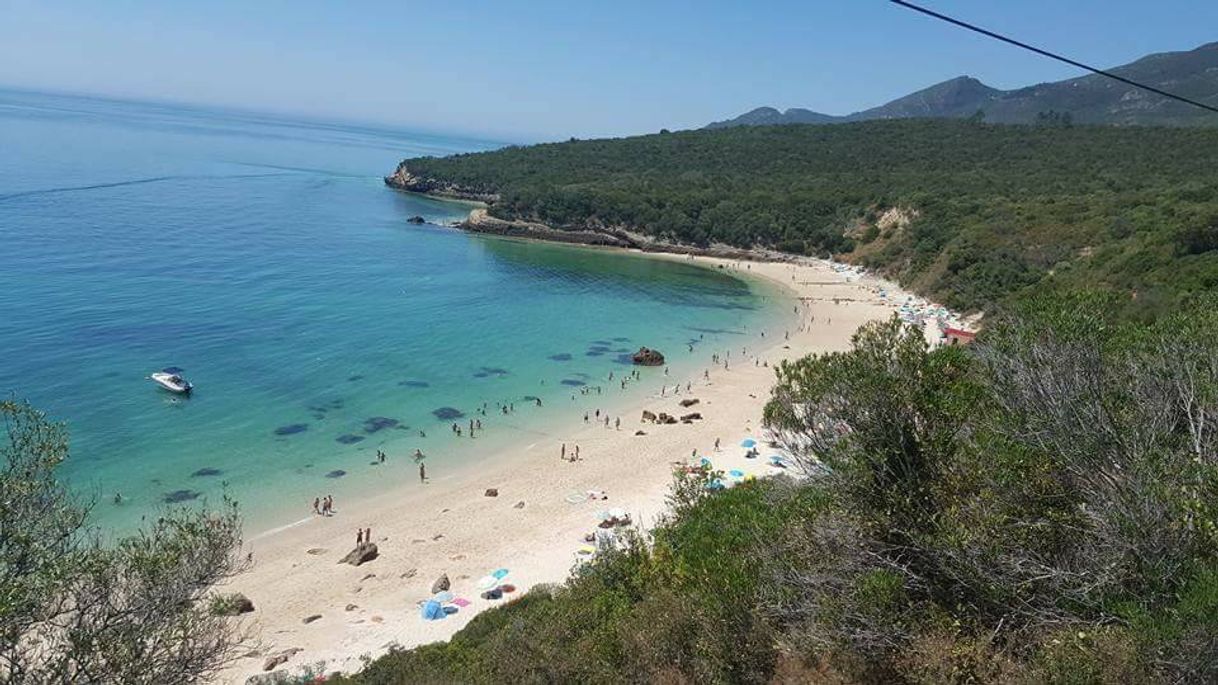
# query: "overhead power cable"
{"points": [[1052, 55]]}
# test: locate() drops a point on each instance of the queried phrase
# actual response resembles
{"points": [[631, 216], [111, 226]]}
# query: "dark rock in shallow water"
{"points": [[530, 398], [648, 357], [415, 384], [336, 473], [448, 413], [207, 471], [573, 382], [180, 496], [292, 429], [356, 377], [488, 371], [376, 423], [564, 357], [416, 220], [349, 439]]}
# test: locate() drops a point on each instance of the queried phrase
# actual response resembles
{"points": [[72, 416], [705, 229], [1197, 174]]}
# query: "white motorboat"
{"points": [[172, 382]]}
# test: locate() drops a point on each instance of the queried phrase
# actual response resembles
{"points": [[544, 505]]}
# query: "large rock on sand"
{"points": [[648, 357], [441, 584], [365, 551]]}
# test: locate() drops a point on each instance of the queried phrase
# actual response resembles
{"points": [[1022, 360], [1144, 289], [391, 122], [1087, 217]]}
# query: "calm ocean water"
{"points": [[265, 258]]}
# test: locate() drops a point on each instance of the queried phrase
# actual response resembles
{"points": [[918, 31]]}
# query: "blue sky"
{"points": [[548, 70]]}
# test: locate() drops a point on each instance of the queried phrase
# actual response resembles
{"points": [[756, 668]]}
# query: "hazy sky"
{"points": [[548, 69]]}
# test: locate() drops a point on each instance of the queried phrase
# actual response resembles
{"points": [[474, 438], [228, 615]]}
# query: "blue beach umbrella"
{"points": [[748, 442]]}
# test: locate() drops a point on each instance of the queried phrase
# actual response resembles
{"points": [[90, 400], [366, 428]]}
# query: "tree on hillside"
{"points": [[74, 609]]}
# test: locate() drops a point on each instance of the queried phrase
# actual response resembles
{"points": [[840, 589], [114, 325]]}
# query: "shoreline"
{"points": [[480, 221], [449, 526]]}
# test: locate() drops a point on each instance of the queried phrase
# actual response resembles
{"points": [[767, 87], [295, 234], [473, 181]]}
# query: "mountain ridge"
{"points": [[1089, 99]]}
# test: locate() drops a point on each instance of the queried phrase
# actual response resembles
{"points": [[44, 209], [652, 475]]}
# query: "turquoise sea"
{"points": [[265, 258]]}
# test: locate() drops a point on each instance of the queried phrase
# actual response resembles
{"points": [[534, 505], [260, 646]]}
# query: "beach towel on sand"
{"points": [[432, 611]]}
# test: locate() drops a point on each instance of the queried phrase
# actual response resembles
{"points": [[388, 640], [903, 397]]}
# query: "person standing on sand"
{"points": [[618, 423], [316, 505], [576, 453], [562, 454], [367, 535], [716, 444], [359, 536], [422, 472]]}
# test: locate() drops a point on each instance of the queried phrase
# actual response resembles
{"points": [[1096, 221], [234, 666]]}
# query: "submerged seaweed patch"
{"points": [[624, 359], [573, 382], [181, 496], [292, 429], [415, 384], [336, 473], [206, 471], [356, 377], [373, 424], [563, 357], [348, 439], [594, 353], [448, 413], [489, 371]]}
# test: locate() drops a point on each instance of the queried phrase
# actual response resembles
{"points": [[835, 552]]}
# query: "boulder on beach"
{"points": [[647, 357], [689, 402], [665, 418], [694, 416], [492, 492], [649, 416], [441, 585], [363, 552]]}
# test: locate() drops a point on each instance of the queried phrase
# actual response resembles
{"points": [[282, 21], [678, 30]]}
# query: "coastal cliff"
{"points": [[403, 179]]}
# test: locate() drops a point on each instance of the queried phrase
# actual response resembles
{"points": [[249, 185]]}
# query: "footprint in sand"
{"points": [[456, 557]]}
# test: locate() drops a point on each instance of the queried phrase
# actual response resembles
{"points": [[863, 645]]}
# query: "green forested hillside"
{"points": [[995, 209]]}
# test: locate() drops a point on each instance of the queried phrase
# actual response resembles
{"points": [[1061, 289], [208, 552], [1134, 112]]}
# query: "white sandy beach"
{"points": [[449, 526]]}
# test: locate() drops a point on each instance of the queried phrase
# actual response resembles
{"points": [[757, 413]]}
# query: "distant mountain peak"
{"points": [[1090, 99], [770, 116]]}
